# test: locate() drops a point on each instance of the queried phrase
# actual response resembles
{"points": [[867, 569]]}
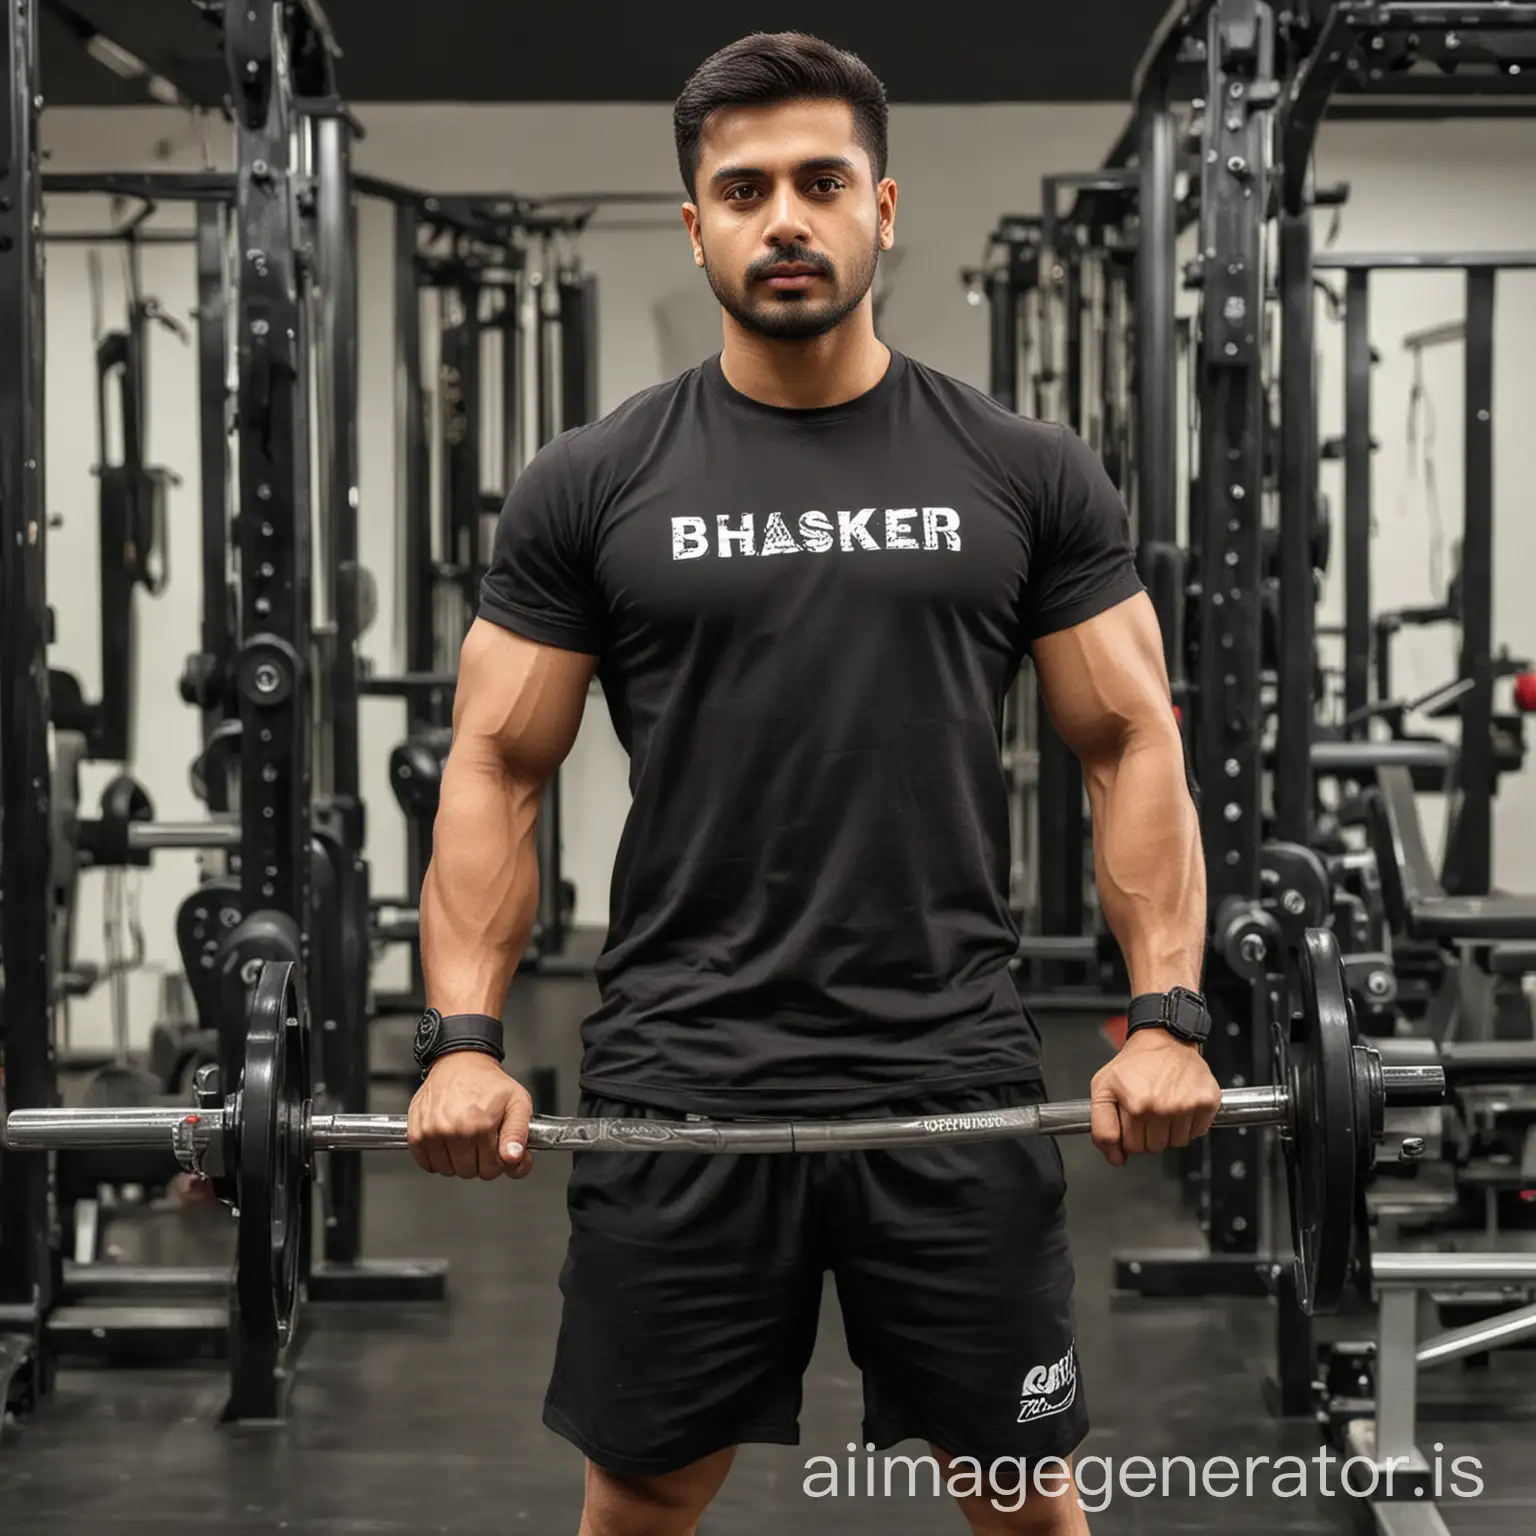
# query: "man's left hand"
{"points": [[1157, 1093]]}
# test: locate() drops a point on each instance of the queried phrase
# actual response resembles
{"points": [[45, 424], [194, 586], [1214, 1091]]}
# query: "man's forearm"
{"points": [[481, 892], [1148, 860]]}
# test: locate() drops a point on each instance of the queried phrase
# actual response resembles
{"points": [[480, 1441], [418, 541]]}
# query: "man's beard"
{"points": [[792, 316]]}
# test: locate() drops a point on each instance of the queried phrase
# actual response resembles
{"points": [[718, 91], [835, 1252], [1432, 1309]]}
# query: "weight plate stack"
{"points": [[1322, 1143], [272, 1158]]}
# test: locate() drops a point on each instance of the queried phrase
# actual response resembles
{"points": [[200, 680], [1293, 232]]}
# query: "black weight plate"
{"points": [[1321, 1149], [271, 1162]]}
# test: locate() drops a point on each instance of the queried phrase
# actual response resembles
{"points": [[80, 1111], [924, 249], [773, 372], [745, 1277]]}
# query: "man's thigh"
{"points": [[956, 1281], [692, 1288]]}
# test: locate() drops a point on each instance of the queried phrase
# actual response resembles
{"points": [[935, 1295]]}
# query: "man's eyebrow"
{"points": [[748, 172]]}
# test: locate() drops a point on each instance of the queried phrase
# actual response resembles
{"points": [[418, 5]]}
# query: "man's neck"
{"points": [[803, 375]]}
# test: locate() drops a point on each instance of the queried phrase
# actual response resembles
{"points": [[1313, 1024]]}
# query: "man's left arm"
{"points": [[1106, 689]]}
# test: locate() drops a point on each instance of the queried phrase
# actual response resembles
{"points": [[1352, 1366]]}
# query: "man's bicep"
{"points": [[518, 702], [1104, 679]]}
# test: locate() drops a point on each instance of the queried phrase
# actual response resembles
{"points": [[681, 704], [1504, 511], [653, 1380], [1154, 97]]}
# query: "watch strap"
{"points": [[1179, 1011], [441, 1034], [460, 1047]]}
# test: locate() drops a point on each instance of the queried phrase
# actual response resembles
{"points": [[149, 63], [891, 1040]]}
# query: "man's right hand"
{"points": [[469, 1120]]}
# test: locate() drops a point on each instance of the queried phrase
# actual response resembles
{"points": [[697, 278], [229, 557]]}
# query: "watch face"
{"points": [[1190, 1016], [428, 1032]]}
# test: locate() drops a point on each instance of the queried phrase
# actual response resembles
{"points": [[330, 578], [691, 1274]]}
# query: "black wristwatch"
{"points": [[438, 1036], [1181, 1012]]}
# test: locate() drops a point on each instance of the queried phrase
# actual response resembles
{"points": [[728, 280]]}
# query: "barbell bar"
{"points": [[191, 1133], [1329, 1099]]}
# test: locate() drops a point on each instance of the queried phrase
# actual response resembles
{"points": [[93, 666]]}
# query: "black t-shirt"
{"points": [[806, 623]]}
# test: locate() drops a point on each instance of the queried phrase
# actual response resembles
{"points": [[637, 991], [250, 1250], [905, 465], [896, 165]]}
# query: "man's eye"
{"points": [[730, 195], [827, 184]]}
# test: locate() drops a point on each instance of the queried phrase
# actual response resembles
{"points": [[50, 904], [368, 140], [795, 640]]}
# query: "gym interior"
{"points": [[292, 291]]}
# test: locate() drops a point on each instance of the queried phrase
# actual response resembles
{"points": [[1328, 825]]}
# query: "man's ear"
{"points": [[885, 197], [690, 213]]}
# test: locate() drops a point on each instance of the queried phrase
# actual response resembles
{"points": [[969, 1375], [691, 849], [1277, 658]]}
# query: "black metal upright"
{"points": [[336, 343], [1469, 872], [413, 517], [123, 520], [547, 830], [510, 322], [273, 674], [1157, 426], [1298, 512], [411, 471], [1062, 829], [1357, 498], [345, 1046], [578, 348], [206, 677], [28, 1260], [1003, 338], [1290, 1386], [459, 371], [1230, 724], [547, 332], [1118, 290]]}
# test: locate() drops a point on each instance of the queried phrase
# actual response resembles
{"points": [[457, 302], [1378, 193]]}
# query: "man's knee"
{"points": [[670, 1504], [1021, 1498], [1037, 1517]]}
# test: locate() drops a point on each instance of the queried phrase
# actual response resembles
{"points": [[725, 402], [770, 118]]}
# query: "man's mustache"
{"points": [[789, 256]]}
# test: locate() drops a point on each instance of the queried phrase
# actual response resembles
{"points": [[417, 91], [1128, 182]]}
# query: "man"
{"points": [[806, 573]]}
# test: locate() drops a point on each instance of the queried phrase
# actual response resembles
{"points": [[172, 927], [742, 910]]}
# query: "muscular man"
{"points": [[806, 573]]}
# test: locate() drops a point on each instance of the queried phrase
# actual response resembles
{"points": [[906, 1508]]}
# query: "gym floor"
{"points": [[416, 1420]]}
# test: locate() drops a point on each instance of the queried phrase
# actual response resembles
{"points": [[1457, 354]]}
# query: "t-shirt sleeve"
{"points": [[541, 582], [1083, 562]]}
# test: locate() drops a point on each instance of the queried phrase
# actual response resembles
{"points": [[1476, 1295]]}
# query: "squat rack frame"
{"points": [[29, 1272]]}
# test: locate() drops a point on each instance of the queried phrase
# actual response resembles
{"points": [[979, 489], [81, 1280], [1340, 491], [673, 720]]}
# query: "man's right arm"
{"points": [[516, 713], [515, 717]]}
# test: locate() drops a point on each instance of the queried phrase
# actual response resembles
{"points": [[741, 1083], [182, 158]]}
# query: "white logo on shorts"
{"points": [[1049, 1389]]}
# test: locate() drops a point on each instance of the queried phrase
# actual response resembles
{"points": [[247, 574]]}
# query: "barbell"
{"points": [[259, 1143]]}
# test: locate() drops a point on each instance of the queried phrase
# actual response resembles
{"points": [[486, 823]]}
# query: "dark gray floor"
{"points": [[408, 1421]]}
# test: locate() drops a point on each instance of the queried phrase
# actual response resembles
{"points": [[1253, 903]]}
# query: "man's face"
{"points": [[789, 223]]}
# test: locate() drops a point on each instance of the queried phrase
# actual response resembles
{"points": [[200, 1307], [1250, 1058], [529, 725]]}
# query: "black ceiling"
{"points": [[627, 50]]}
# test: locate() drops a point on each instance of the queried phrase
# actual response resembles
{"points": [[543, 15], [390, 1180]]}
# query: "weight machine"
{"points": [[132, 554], [131, 495], [1376, 60], [276, 680], [514, 337], [1489, 744]]}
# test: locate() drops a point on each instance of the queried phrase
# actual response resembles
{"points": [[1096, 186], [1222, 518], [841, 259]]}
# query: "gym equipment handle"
{"points": [[1488, 1061], [143, 835], [45, 1130]]}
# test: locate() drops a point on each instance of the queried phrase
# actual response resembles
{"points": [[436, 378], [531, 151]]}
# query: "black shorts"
{"points": [[693, 1289]]}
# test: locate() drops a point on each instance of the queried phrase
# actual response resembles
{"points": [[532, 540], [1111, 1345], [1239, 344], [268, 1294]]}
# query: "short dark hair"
{"points": [[767, 68]]}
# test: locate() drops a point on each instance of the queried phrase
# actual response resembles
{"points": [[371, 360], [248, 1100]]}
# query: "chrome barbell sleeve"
{"points": [[60, 1130]]}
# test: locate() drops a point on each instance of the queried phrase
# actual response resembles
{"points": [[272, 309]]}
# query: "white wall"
{"points": [[957, 168], [1440, 187]]}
